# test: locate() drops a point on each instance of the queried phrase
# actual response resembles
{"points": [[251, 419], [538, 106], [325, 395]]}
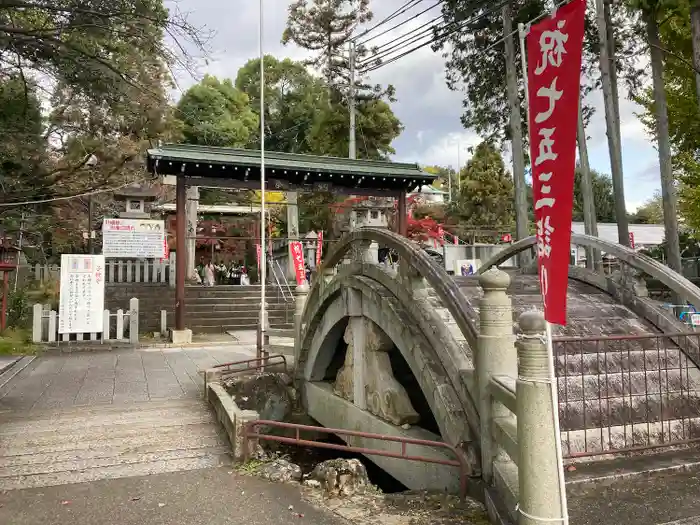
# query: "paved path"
{"points": [[213, 496], [126, 376], [122, 438]]}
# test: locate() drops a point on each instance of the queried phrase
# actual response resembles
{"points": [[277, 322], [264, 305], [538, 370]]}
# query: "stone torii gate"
{"points": [[205, 166]]}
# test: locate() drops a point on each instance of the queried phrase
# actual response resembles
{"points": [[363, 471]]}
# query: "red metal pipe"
{"points": [[460, 462]]}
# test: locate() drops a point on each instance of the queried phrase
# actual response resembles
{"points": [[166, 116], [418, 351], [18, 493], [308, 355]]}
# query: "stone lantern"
{"points": [[137, 200]]}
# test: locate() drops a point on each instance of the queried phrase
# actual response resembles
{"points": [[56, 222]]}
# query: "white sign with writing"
{"points": [[133, 238], [82, 294], [695, 319]]}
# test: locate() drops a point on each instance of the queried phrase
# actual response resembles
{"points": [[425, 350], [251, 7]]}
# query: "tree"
{"points": [[87, 45], [292, 99], [486, 198], [325, 28], [215, 113], [603, 197], [377, 127], [651, 212]]}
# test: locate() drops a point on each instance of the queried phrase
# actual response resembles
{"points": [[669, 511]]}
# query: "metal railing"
{"points": [[622, 394], [256, 363], [284, 280], [250, 433]]}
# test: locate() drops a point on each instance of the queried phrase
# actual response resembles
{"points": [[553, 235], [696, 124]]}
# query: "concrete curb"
{"points": [[594, 480], [7, 373], [231, 417]]}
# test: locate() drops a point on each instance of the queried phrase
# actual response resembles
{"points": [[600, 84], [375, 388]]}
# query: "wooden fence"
{"points": [[121, 271], [120, 326]]}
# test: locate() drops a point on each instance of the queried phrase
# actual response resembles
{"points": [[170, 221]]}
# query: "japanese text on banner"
{"points": [[554, 81], [297, 251]]}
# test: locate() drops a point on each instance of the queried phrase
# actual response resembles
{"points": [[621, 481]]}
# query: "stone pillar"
{"points": [[292, 226], [356, 345], [538, 469], [301, 293], [495, 355], [192, 203]]}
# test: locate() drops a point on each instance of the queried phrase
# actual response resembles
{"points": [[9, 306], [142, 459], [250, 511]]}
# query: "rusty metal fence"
{"points": [[251, 430], [622, 394]]}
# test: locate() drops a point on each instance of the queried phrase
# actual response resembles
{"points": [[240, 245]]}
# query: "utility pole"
{"points": [[612, 124], [521, 225], [351, 102]]}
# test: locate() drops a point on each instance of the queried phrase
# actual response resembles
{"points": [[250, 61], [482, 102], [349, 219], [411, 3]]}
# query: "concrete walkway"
{"points": [[213, 496], [124, 437]]}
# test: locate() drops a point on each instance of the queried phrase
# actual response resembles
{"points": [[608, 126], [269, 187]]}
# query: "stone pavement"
{"points": [[215, 496], [124, 376]]}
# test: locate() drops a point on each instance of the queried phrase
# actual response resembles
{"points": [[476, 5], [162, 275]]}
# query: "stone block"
{"points": [[181, 337]]}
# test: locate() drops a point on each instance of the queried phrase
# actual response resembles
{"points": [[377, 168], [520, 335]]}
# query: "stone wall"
{"points": [[152, 299]]}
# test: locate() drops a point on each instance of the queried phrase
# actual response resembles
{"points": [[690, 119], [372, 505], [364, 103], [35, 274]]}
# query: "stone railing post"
{"points": [[134, 321], [495, 355], [301, 294], [538, 471]]}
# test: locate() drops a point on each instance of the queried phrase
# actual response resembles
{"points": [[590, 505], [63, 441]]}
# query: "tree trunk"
{"points": [[516, 130], [589, 217], [668, 189], [695, 30], [613, 65], [611, 121]]}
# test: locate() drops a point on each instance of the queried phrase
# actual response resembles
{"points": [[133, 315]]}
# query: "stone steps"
{"points": [[596, 439], [638, 409], [44, 448], [614, 362], [627, 383]]}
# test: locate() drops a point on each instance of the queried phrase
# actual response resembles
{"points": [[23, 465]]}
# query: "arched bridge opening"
{"points": [[375, 354]]}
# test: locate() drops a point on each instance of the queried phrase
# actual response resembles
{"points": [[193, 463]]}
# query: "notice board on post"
{"points": [[133, 238], [82, 294]]}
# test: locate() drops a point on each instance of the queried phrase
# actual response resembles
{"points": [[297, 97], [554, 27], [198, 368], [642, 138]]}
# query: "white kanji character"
{"points": [[552, 47], [544, 237], [553, 95], [545, 146], [545, 189]]}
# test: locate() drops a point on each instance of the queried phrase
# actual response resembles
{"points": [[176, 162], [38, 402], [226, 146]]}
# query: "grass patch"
{"points": [[17, 341]]}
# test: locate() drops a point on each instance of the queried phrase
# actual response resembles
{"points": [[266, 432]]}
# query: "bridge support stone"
{"points": [[538, 471], [495, 356]]}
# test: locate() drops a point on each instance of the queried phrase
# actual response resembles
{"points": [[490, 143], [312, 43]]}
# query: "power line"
{"points": [[69, 197], [402, 23], [408, 5], [436, 37], [380, 53]]}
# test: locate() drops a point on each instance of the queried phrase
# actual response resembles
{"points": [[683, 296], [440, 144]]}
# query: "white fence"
{"points": [[121, 326], [121, 271]]}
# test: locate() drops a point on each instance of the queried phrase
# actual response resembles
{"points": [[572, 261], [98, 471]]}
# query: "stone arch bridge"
{"points": [[395, 349]]}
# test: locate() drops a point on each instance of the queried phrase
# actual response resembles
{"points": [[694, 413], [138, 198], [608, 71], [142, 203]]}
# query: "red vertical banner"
{"points": [[319, 249], [554, 49], [258, 252], [632, 240], [297, 252]]}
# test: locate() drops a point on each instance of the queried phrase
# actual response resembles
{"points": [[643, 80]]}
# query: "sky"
{"points": [[429, 111]]}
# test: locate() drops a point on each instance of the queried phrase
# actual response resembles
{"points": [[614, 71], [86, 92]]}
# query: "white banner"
{"points": [[82, 294], [133, 238]]}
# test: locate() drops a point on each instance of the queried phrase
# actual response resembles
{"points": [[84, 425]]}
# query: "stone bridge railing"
{"points": [[513, 420]]}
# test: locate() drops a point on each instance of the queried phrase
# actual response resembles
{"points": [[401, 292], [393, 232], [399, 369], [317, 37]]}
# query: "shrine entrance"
{"points": [[186, 166]]}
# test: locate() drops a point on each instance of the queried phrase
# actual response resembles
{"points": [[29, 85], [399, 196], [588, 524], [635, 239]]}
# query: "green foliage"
{"points": [[19, 311], [475, 64], [486, 197], [603, 197], [684, 125], [292, 98], [651, 212], [215, 113]]}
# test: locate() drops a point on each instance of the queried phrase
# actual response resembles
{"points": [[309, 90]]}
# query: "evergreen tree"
{"points": [[486, 196]]}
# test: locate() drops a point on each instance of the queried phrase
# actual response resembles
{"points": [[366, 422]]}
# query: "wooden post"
{"points": [[403, 215], [5, 287], [180, 260]]}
